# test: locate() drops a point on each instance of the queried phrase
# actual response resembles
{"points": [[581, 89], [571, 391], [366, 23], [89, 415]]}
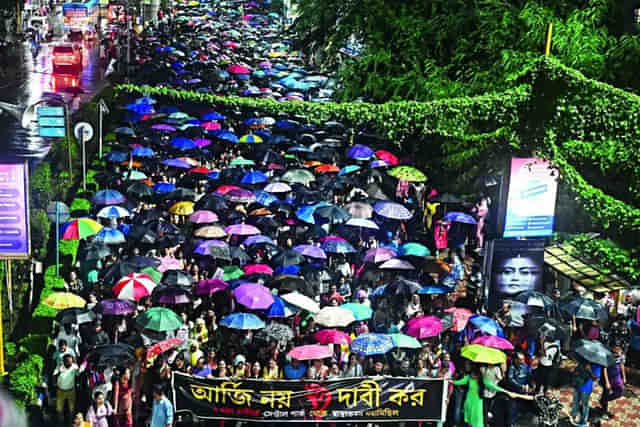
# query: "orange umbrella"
{"points": [[312, 163], [135, 163], [260, 212], [327, 169]]}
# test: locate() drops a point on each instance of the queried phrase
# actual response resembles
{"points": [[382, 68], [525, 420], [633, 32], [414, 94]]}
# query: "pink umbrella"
{"points": [[257, 269], [224, 189], [332, 336], [209, 287], [460, 317], [211, 126], [253, 296], [232, 45], [203, 217], [202, 142], [238, 69], [387, 157], [334, 238], [242, 229], [377, 255], [169, 263], [424, 327], [311, 352], [495, 342], [396, 264]]}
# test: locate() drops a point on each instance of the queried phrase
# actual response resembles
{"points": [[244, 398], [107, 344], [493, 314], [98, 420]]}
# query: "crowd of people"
{"points": [[223, 240]]}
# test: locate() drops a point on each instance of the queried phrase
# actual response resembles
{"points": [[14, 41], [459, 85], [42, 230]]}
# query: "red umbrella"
{"points": [[162, 346], [257, 269], [201, 170], [387, 157], [332, 336], [460, 317], [238, 69], [424, 327], [224, 189], [495, 342], [134, 286], [311, 352]]}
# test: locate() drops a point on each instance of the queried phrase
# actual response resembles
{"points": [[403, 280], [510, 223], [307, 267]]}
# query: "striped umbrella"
{"points": [[392, 210], [80, 228], [134, 286], [113, 212]]}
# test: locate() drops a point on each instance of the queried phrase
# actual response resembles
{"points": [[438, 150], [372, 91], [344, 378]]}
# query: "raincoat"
{"points": [[473, 407]]}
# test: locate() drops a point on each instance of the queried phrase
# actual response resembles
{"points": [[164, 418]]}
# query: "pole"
{"points": [[9, 293], [84, 160], [547, 50], [68, 135], [2, 372], [57, 239], [100, 131]]}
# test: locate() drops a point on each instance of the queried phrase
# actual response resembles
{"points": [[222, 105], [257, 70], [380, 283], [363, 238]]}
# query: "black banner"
{"points": [[380, 399]]}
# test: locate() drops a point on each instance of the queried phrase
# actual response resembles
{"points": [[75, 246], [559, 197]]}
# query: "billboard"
{"points": [[14, 211], [362, 400], [516, 266], [531, 201]]}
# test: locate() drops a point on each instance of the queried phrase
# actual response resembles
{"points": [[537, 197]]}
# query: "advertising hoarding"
{"points": [[14, 211]]}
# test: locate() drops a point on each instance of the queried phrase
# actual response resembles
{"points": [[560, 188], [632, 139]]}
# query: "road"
{"points": [[28, 81]]}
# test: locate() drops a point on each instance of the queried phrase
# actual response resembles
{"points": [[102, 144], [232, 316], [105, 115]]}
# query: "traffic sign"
{"points": [[51, 121], [103, 106], [83, 131], [51, 132], [50, 111]]}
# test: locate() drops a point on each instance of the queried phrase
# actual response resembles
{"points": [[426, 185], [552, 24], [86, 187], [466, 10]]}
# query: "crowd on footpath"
{"points": [[224, 241]]}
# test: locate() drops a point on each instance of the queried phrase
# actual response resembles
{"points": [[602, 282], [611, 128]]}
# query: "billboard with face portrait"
{"points": [[516, 267]]}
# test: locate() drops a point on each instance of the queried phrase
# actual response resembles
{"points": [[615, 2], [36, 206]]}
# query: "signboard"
{"points": [[83, 131], [373, 399], [516, 267], [14, 211], [531, 200], [51, 122]]}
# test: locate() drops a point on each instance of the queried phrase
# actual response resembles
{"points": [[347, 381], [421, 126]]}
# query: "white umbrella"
{"points": [[334, 317], [113, 212], [296, 299]]}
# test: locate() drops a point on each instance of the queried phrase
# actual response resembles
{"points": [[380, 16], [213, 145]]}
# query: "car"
{"points": [[67, 59]]}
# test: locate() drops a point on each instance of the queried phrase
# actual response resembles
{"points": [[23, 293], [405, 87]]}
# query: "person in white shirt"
{"points": [[550, 349], [65, 376]]}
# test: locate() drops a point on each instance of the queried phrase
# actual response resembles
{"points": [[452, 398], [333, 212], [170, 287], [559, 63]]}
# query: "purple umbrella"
{"points": [[203, 217], [257, 239], [209, 287], [115, 307], [253, 296], [203, 247], [460, 217], [359, 151], [172, 295], [240, 195], [392, 210], [202, 142], [242, 230], [311, 251], [396, 264], [377, 255], [163, 127], [177, 163], [277, 187]]}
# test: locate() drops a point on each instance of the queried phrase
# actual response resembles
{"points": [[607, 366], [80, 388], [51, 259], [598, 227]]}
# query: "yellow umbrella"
{"points": [[62, 300], [482, 354], [182, 208]]}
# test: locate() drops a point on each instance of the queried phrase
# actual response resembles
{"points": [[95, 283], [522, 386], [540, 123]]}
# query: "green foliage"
{"points": [[40, 232], [69, 247], [609, 256], [41, 183], [25, 378]]}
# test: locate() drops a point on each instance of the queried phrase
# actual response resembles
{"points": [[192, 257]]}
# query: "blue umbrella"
{"points": [[177, 163], [225, 135], [372, 344], [486, 325], [459, 217], [164, 187], [348, 169], [414, 249], [169, 109], [212, 116], [434, 290], [254, 177], [113, 212], [337, 247], [392, 210], [291, 270], [117, 156], [182, 143], [242, 321], [305, 213], [215, 175], [143, 152], [108, 197], [264, 198], [124, 131], [257, 239], [140, 108], [359, 151], [110, 236], [280, 308], [287, 124]]}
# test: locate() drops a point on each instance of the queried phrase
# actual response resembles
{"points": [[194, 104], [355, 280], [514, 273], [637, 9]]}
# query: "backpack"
{"points": [[557, 358]]}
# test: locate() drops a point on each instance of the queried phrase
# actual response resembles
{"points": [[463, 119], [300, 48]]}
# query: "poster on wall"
{"points": [[516, 267], [14, 211], [531, 201]]}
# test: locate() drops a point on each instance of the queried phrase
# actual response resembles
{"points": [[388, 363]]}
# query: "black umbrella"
{"points": [[180, 193], [140, 190], [595, 352], [177, 278], [332, 214], [290, 283], [583, 308], [534, 299], [142, 234], [219, 252], [212, 202], [238, 254], [148, 215], [95, 252], [540, 325], [402, 286], [75, 316], [171, 295], [287, 257], [112, 354], [275, 332], [142, 261], [117, 271], [446, 198]]}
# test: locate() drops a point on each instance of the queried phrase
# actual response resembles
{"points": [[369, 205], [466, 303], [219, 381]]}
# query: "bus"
{"points": [[81, 16]]}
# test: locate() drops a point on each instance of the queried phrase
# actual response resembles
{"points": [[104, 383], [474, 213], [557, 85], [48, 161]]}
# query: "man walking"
{"points": [[586, 373], [162, 413]]}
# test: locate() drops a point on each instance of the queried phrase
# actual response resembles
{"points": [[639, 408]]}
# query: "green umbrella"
{"points": [[241, 161], [133, 175], [159, 319], [404, 341], [407, 173], [153, 273], [414, 249], [80, 204], [178, 115], [232, 272], [187, 126], [360, 311], [300, 176], [482, 354]]}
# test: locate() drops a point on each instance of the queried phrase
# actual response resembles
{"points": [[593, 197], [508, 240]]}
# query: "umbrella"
{"points": [[360, 311], [301, 301], [300, 176], [277, 187], [460, 317], [494, 342], [62, 300], [140, 189], [169, 263], [209, 287], [362, 223], [402, 286], [372, 344], [392, 210], [253, 296], [396, 264], [583, 308], [258, 239], [240, 195], [459, 217], [210, 232], [182, 208], [95, 252], [534, 299], [111, 354], [424, 327], [171, 295], [332, 336], [113, 212], [482, 354], [434, 290], [407, 173], [80, 228], [242, 229], [159, 319], [311, 352], [404, 341], [257, 269], [254, 177], [595, 352], [280, 308], [377, 255], [110, 236], [359, 210], [360, 152], [177, 278], [414, 249], [163, 346], [115, 307], [203, 217], [288, 257], [291, 283], [108, 197], [134, 286], [275, 332], [243, 321], [337, 247], [387, 157], [334, 317], [232, 272], [75, 315], [486, 325], [311, 251]]}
